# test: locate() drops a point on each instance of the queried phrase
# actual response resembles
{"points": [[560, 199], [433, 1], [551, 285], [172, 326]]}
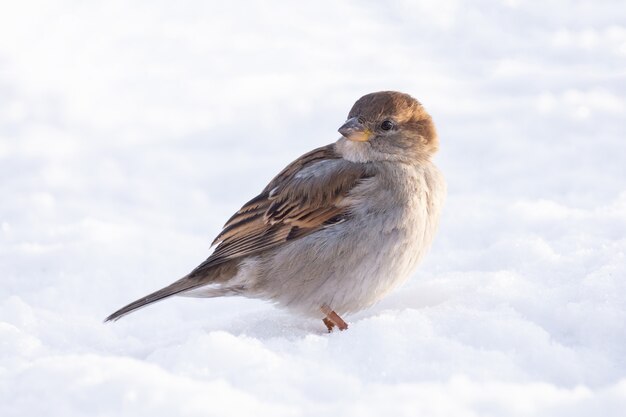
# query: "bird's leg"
{"points": [[329, 324], [333, 319]]}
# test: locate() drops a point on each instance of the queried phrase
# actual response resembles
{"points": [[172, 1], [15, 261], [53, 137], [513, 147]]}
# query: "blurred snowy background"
{"points": [[130, 131]]}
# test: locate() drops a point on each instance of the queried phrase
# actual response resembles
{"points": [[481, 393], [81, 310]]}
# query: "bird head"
{"points": [[389, 125]]}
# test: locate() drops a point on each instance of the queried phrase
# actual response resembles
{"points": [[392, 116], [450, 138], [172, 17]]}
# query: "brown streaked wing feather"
{"points": [[290, 207], [257, 207], [316, 155]]}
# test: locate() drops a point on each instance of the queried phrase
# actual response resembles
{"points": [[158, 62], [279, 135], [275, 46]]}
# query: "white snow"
{"points": [[130, 131]]}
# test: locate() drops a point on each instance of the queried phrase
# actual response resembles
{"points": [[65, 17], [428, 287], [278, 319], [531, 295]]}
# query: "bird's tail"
{"points": [[197, 278], [179, 286]]}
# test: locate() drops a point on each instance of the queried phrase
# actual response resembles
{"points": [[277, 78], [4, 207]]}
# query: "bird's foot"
{"points": [[332, 319], [329, 324]]}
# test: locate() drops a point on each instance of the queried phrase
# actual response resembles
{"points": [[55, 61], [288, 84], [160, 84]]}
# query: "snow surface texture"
{"points": [[130, 131]]}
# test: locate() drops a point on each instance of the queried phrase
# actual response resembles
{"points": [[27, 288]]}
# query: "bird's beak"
{"points": [[354, 130]]}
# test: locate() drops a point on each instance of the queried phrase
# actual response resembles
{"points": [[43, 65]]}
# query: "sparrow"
{"points": [[338, 228]]}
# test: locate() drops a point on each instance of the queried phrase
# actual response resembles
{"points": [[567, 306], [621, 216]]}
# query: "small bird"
{"points": [[338, 228]]}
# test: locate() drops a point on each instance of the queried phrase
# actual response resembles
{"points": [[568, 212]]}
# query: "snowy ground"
{"points": [[129, 131]]}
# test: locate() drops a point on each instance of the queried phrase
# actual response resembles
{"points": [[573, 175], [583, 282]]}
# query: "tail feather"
{"points": [[198, 278], [170, 290]]}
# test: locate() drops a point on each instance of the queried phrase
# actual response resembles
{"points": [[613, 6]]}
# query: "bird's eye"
{"points": [[386, 125]]}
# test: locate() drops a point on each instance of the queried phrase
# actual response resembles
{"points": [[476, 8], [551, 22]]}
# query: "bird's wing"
{"points": [[303, 198]]}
